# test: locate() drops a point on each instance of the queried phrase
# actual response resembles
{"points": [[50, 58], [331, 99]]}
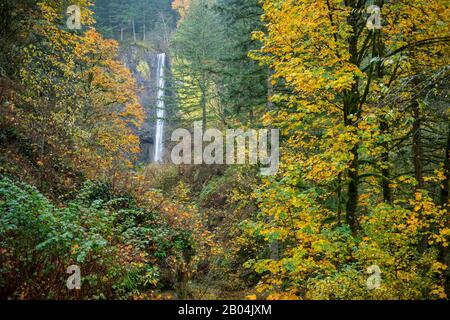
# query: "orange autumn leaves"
{"points": [[90, 122], [111, 90], [181, 6]]}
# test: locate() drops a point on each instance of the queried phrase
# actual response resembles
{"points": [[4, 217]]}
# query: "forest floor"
{"points": [[217, 290]]}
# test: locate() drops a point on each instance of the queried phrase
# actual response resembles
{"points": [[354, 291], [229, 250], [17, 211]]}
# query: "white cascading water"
{"points": [[160, 106]]}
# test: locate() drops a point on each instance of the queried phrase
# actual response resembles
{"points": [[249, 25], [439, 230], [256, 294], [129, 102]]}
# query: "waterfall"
{"points": [[160, 81]]}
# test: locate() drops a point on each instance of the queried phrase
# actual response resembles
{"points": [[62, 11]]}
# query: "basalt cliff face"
{"points": [[149, 69]]}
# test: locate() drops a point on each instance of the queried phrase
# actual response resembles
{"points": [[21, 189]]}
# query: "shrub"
{"points": [[116, 244]]}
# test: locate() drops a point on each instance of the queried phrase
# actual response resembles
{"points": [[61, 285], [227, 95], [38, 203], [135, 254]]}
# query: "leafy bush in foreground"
{"points": [[117, 245]]}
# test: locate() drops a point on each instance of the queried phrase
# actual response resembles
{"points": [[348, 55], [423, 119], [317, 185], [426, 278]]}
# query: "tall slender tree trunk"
{"points": [[274, 245], [351, 108], [353, 191], [445, 184], [417, 148], [134, 29], [352, 104], [269, 89], [339, 199], [203, 105], [387, 194], [444, 252]]}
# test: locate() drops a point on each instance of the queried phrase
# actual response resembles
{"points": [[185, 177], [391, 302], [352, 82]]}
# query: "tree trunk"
{"points": [[351, 108], [417, 150], [352, 103], [444, 252], [203, 105], [387, 194], [273, 246], [353, 191], [339, 196], [269, 90], [446, 182], [134, 30], [417, 146]]}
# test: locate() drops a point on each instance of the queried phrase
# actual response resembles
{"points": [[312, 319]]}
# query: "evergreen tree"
{"points": [[198, 46], [243, 82]]}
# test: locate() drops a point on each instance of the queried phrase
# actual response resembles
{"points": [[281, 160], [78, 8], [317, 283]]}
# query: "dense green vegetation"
{"points": [[121, 246]]}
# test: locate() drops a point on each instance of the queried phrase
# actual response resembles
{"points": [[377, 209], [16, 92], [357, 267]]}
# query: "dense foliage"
{"points": [[119, 245], [360, 183], [365, 142]]}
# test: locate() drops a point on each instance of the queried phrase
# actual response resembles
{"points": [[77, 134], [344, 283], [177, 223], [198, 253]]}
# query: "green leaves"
{"points": [[96, 231]]}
